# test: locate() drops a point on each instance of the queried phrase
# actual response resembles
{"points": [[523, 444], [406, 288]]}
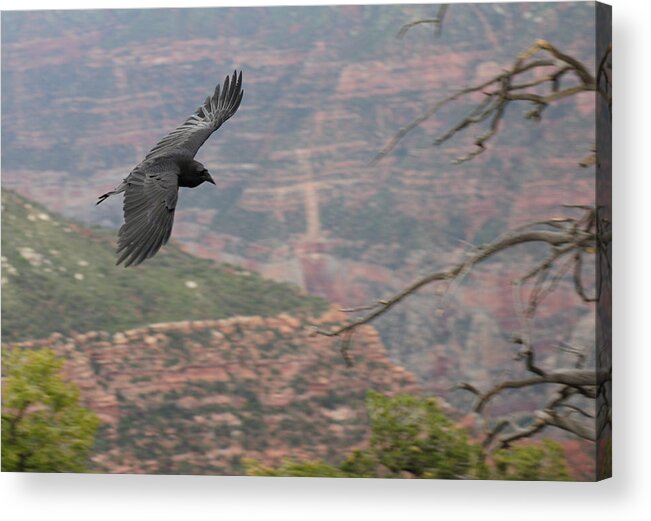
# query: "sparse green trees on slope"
{"points": [[44, 428], [412, 437]]}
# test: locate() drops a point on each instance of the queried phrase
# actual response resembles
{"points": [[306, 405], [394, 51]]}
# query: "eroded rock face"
{"points": [[198, 396]]}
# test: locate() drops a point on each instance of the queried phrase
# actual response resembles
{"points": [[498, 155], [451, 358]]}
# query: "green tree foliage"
{"points": [[298, 469], [44, 429], [543, 462], [411, 437]]}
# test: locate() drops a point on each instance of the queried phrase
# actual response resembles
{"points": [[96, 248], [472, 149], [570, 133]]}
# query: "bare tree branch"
{"points": [[577, 409], [568, 238], [604, 81], [362, 308], [577, 378], [503, 88], [547, 417], [518, 434], [578, 284], [556, 76], [579, 352], [574, 382], [496, 431], [437, 22], [344, 347], [466, 387], [550, 417]]}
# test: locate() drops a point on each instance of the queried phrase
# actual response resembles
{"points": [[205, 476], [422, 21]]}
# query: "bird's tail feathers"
{"points": [[117, 190], [103, 197]]}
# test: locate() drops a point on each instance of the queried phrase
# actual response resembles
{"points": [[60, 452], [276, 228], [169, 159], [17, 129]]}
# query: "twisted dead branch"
{"points": [[510, 86], [562, 240], [540, 76], [568, 240], [556, 413], [437, 22]]}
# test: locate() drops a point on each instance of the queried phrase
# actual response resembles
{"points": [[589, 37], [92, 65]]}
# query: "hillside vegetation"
{"points": [[59, 276]]}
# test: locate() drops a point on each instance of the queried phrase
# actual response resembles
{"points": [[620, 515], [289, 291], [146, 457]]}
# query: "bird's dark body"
{"points": [[189, 171], [151, 189]]}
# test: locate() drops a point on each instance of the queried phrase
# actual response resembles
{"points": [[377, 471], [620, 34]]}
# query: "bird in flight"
{"points": [[151, 189]]}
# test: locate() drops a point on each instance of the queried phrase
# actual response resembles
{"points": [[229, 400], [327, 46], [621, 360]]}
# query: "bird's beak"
{"points": [[209, 179]]}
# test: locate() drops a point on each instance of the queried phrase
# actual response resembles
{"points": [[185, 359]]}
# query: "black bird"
{"points": [[152, 187]]}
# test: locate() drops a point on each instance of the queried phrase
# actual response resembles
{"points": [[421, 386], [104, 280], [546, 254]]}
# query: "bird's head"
{"points": [[204, 175], [207, 177]]}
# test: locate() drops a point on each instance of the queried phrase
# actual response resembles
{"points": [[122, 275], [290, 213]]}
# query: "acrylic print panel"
{"points": [[390, 260]]}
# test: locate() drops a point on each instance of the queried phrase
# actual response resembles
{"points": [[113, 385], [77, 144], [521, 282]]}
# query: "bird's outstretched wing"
{"points": [[149, 203], [188, 138]]}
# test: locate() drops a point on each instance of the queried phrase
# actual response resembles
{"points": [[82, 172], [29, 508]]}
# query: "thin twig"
{"points": [[502, 89], [438, 23], [576, 378]]}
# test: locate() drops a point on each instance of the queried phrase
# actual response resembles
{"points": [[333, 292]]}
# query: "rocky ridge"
{"points": [[198, 397]]}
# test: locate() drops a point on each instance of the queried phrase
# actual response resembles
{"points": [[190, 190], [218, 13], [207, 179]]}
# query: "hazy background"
{"points": [[87, 93]]}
